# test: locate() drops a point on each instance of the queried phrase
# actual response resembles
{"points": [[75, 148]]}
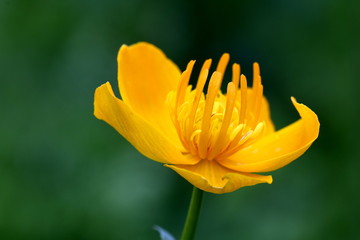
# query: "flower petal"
{"points": [[280, 148], [140, 133], [212, 177], [145, 77]]}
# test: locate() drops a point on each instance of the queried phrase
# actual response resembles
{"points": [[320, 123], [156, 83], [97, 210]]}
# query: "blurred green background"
{"points": [[66, 175]]}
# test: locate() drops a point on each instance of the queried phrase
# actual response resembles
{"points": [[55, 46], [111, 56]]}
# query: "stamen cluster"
{"points": [[215, 126]]}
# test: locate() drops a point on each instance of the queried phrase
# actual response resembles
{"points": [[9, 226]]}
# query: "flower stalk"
{"points": [[193, 214]]}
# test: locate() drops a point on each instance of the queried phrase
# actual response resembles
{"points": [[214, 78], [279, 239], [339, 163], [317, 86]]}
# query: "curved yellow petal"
{"points": [[145, 77], [280, 148], [212, 177], [140, 133]]}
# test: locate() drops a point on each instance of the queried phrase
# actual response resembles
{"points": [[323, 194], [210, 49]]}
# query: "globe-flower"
{"points": [[218, 142]]}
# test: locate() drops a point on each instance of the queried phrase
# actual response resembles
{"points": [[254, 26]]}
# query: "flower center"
{"points": [[216, 126]]}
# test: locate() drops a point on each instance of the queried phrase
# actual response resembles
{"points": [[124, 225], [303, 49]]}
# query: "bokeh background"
{"points": [[66, 175]]}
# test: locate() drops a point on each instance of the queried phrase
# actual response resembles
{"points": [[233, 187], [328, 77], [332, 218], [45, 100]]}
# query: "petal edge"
{"points": [[145, 77], [142, 135], [220, 180]]}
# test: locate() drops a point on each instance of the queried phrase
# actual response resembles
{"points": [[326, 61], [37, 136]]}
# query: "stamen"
{"points": [[195, 133], [198, 93], [258, 93], [239, 136], [213, 89], [258, 130], [180, 96], [194, 139], [237, 147], [224, 60], [235, 131], [206, 65], [243, 100], [255, 84], [184, 82], [223, 63], [235, 74], [256, 69], [230, 102], [257, 105]]}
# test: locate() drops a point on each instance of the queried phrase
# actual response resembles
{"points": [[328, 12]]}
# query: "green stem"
{"points": [[193, 215]]}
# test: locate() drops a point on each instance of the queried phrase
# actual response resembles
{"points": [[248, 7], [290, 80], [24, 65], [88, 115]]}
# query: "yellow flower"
{"points": [[217, 142]]}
